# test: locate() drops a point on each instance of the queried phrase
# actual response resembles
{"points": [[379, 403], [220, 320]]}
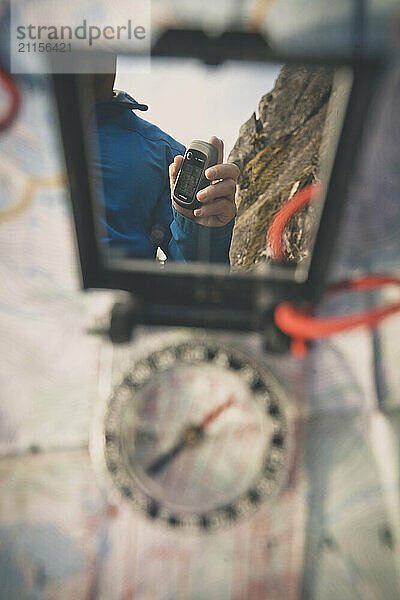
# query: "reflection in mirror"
{"points": [[263, 199]]}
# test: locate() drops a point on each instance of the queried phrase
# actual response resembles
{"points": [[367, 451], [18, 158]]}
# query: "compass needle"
{"points": [[192, 435], [162, 461], [214, 414]]}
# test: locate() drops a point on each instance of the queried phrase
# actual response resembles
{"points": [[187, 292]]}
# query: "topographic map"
{"points": [[333, 530]]}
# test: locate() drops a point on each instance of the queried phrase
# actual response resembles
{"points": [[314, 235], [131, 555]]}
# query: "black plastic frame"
{"points": [[204, 295]]}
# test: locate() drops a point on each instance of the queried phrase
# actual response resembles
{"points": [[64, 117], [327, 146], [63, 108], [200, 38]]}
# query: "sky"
{"points": [[191, 101]]}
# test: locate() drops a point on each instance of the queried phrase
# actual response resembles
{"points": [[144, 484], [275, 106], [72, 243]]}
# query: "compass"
{"points": [[196, 435]]}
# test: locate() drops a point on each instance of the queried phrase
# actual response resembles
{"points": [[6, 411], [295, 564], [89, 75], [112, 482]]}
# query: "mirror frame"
{"points": [[207, 295]]}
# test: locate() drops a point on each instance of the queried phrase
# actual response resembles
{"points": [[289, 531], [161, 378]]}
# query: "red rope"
{"points": [[298, 201], [14, 99], [302, 326]]}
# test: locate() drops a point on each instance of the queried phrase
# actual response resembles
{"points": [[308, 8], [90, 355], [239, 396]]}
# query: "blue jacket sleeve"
{"points": [[196, 242]]}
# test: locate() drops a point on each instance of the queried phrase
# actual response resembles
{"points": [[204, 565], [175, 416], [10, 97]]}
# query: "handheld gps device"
{"points": [[198, 157]]}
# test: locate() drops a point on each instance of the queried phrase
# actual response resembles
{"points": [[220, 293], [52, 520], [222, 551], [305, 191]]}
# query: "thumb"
{"points": [[219, 144], [174, 169]]}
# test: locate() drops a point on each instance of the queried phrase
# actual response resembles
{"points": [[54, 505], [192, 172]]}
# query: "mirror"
{"points": [[279, 125]]}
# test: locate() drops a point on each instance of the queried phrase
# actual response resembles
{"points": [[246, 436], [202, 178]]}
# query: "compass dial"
{"points": [[196, 435]]}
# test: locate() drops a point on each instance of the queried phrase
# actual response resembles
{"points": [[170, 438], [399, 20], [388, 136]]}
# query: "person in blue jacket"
{"points": [[134, 164]]}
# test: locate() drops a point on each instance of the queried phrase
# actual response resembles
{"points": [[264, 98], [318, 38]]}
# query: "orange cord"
{"points": [[298, 201], [302, 326], [14, 99]]}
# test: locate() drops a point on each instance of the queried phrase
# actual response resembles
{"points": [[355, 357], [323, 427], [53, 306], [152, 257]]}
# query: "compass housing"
{"points": [[168, 465]]}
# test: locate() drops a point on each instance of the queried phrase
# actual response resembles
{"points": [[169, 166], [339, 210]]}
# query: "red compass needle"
{"points": [[214, 414]]}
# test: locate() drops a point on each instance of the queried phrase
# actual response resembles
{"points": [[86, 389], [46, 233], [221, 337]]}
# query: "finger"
{"points": [[216, 208], [219, 144], [174, 169], [224, 171], [221, 189]]}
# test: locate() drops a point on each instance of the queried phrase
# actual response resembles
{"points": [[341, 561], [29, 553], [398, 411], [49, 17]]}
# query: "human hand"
{"points": [[218, 199]]}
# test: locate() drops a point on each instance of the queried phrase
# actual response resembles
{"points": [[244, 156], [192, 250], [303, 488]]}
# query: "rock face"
{"points": [[278, 154]]}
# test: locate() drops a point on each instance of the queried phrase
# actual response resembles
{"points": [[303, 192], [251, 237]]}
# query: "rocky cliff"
{"points": [[278, 154]]}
